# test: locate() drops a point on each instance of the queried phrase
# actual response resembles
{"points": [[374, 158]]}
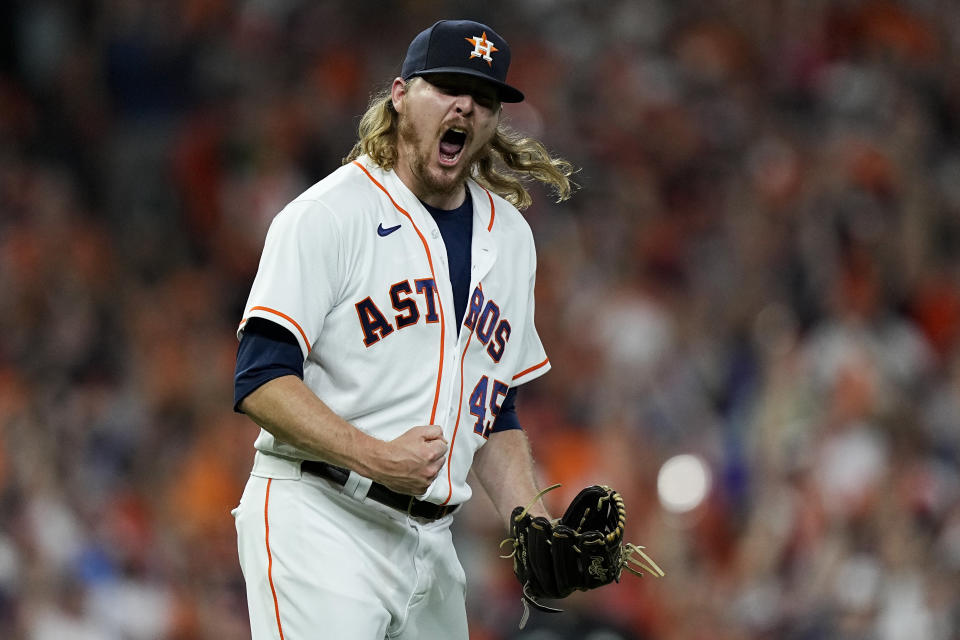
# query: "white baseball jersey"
{"points": [[356, 269]]}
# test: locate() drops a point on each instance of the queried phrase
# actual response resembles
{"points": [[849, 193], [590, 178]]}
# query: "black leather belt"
{"points": [[383, 495]]}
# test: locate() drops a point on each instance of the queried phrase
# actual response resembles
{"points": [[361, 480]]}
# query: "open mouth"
{"points": [[451, 145]]}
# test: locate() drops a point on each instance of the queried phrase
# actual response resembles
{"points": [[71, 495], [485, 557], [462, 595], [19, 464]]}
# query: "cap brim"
{"points": [[505, 92]]}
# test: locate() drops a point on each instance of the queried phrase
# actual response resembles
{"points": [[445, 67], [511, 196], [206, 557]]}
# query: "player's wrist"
{"points": [[365, 453]]}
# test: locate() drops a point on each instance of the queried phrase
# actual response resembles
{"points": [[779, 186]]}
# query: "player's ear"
{"points": [[397, 91]]}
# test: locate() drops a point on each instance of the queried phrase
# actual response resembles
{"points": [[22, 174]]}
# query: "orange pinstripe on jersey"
{"points": [[492, 211], [266, 536], [285, 317], [456, 426], [443, 326], [533, 368]]}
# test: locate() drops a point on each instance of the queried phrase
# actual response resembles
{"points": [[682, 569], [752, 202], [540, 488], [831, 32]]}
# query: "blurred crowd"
{"points": [[761, 268]]}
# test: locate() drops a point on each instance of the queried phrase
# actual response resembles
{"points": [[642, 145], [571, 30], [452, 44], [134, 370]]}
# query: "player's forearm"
{"points": [[505, 468], [294, 414]]}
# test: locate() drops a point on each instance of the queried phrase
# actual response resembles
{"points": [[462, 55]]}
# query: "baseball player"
{"points": [[389, 324]]}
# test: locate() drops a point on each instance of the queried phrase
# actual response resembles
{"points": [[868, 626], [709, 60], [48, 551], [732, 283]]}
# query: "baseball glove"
{"points": [[582, 550]]}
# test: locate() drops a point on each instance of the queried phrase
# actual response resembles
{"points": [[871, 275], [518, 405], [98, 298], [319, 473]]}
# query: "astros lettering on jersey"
{"points": [[374, 267]]}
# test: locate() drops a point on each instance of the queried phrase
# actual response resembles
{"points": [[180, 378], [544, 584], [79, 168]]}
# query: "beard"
{"points": [[435, 180]]}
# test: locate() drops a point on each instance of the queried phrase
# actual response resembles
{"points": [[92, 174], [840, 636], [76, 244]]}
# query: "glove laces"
{"points": [[647, 563], [520, 515]]}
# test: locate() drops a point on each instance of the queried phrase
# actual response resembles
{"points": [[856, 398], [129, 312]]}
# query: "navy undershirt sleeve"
{"points": [[507, 418], [267, 351]]}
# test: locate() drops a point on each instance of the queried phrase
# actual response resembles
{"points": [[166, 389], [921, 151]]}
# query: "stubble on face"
{"points": [[433, 180]]}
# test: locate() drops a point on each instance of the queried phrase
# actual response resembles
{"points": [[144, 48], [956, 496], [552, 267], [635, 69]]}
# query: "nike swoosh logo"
{"points": [[383, 233]]}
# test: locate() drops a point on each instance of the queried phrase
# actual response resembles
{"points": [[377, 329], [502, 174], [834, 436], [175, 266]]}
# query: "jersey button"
{"points": [[435, 233]]}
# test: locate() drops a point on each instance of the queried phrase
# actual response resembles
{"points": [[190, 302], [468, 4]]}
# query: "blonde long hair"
{"points": [[510, 159]]}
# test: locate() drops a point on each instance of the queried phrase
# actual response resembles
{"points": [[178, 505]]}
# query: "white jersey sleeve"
{"points": [[301, 254], [533, 361]]}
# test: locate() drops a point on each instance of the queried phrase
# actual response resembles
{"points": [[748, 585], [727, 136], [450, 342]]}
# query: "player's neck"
{"points": [[448, 201]]}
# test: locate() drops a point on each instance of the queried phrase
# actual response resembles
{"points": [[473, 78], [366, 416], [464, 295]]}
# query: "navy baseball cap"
{"points": [[465, 47]]}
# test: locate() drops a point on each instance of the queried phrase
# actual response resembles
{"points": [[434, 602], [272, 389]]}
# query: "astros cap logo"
{"points": [[482, 48]]}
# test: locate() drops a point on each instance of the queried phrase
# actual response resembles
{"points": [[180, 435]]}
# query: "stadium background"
{"points": [[760, 270]]}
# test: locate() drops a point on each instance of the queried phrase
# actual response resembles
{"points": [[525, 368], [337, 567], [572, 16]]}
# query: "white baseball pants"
{"points": [[321, 564]]}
